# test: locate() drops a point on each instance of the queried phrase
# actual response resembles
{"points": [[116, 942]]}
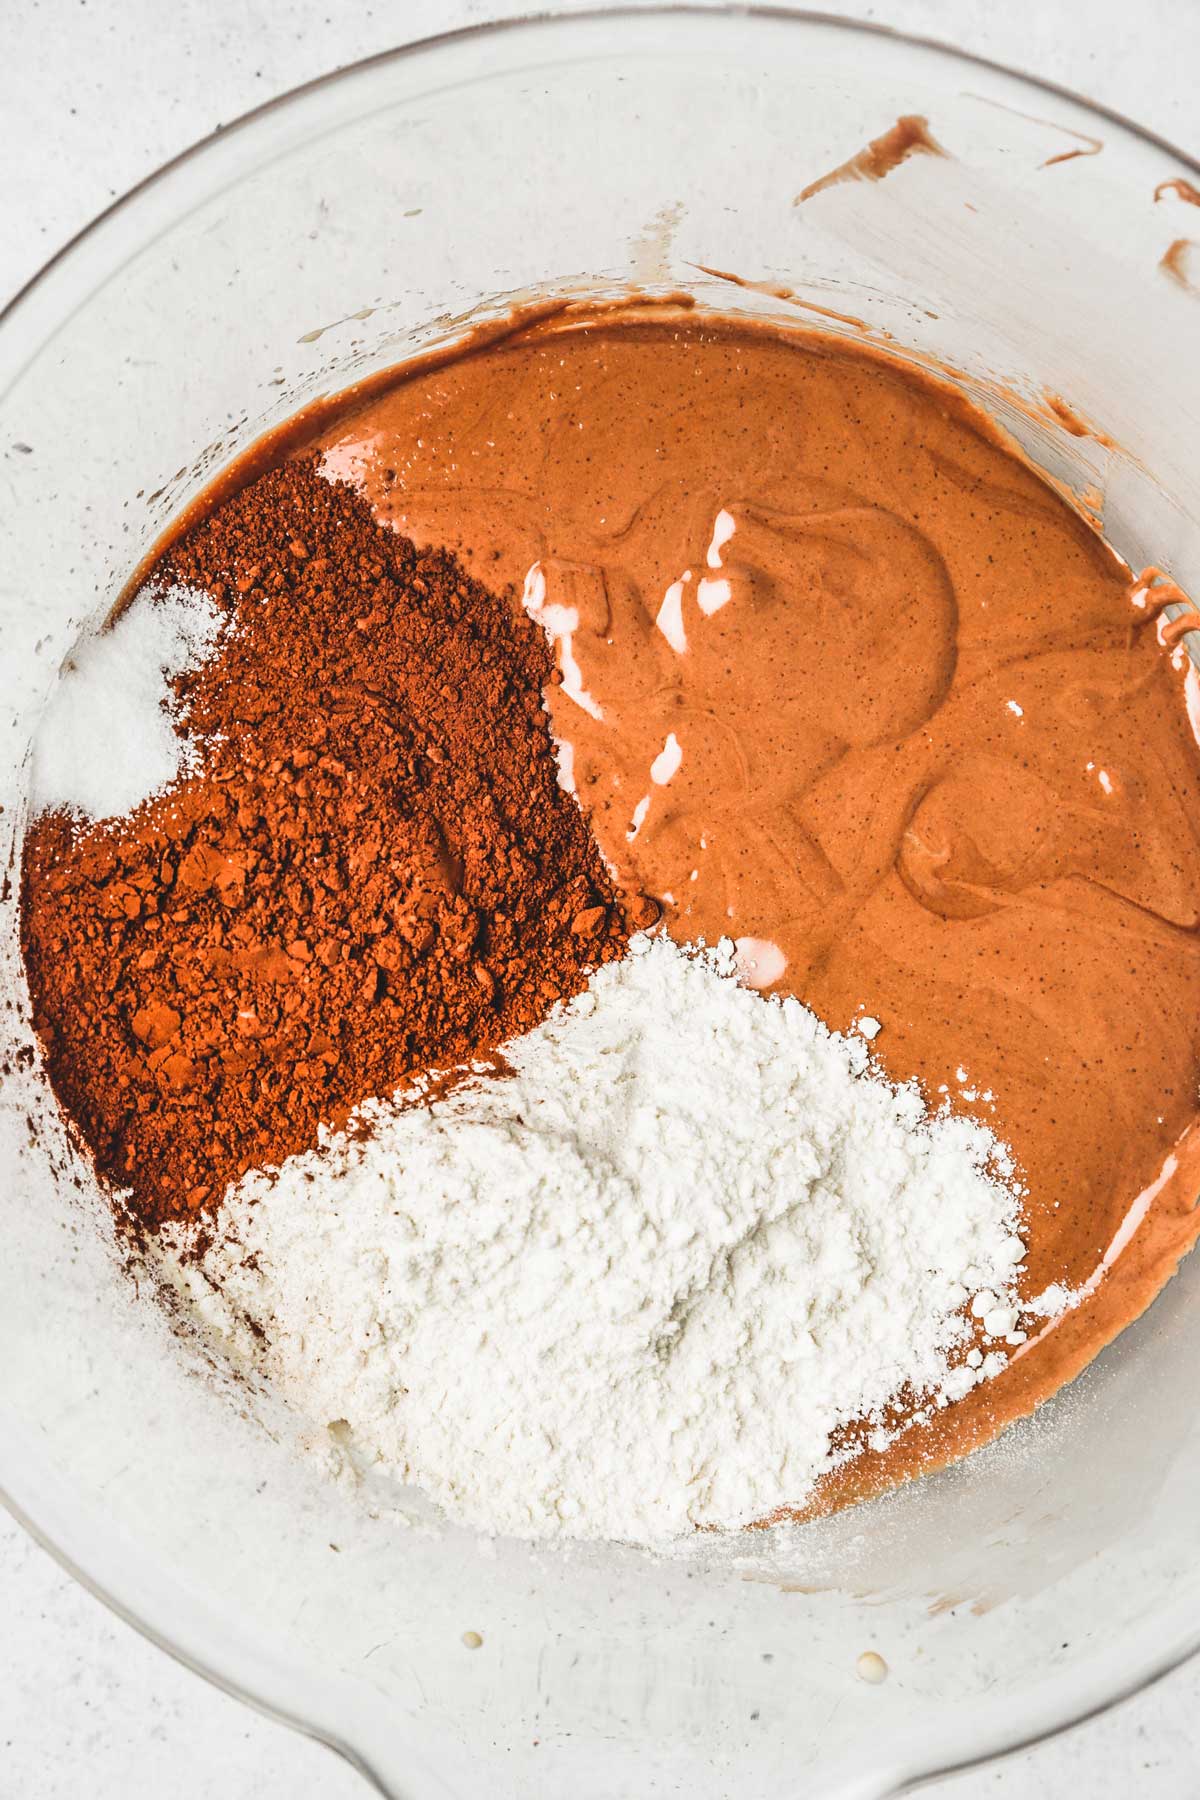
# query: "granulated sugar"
{"points": [[638, 1285], [106, 741]]}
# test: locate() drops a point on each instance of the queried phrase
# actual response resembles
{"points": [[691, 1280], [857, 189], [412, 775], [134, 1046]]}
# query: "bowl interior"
{"points": [[331, 234]]}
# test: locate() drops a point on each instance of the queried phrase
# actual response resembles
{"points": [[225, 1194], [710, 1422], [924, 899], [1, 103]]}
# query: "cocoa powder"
{"points": [[373, 870]]}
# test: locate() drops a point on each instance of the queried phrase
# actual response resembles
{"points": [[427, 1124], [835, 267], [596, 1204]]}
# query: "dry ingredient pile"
{"points": [[651, 1280], [404, 859], [300, 843], [365, 867]]}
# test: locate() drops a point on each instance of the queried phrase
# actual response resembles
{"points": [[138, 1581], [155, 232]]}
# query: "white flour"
{"points": [[106, 741], [637, 1286]]}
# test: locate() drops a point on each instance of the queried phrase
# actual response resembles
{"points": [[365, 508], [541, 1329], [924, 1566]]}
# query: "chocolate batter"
{"points": [[843, 679]]}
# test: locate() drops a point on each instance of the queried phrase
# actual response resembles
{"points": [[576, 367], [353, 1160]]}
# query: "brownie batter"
{"points": [[841, 678]]}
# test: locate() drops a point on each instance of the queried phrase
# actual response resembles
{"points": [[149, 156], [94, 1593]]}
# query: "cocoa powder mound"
{"points": [[372, 872]]}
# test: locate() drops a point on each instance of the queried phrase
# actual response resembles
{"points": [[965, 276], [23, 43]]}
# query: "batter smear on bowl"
{"points": [[832, 677]]}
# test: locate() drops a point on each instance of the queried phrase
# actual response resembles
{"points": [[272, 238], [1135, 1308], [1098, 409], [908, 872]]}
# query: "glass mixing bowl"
{"points": [[326, 235]]}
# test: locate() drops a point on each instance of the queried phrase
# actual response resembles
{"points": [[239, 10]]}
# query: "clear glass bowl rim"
{"points": [[93, 254]]}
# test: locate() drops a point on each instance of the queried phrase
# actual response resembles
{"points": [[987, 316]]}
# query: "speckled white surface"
{"points": [[93, 96]]}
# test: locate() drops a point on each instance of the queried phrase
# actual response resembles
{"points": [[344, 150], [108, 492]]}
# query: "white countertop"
{"points": [[93, 96]]}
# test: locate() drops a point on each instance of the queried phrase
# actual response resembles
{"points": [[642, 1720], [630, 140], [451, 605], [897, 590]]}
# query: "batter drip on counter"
{"points": [[840, 677]]}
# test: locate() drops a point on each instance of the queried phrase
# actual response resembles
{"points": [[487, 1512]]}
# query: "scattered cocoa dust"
{"points": [[372, 872]]}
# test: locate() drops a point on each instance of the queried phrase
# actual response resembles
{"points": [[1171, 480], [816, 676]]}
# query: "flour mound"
{"points": [[639, 1285], [107, 741]]}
